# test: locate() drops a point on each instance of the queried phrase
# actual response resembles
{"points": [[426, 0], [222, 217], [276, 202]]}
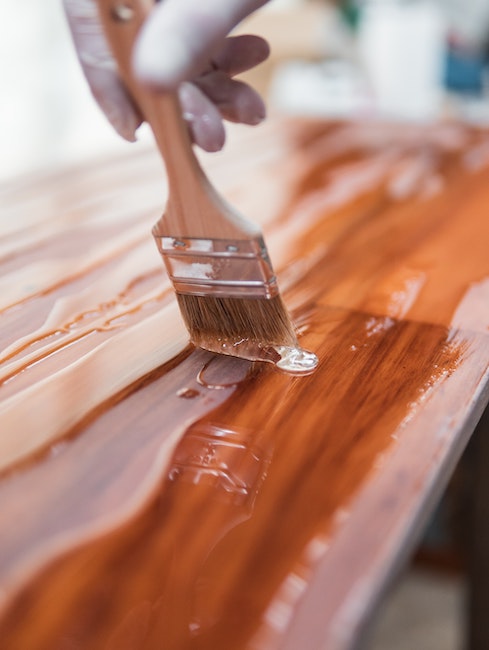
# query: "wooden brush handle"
{"points": [[194, 208]]}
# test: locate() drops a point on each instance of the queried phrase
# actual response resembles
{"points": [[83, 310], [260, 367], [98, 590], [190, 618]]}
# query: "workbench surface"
{"points": [[154, 496]]}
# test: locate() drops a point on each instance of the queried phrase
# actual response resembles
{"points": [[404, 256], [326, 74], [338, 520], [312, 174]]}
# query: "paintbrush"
{"points": [[217, 261]]}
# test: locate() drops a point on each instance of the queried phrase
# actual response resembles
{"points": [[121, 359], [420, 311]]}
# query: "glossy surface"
{"points": [[155, 496]]}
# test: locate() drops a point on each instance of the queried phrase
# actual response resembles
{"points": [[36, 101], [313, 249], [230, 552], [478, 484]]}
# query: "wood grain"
{"points": [[156, 496]]}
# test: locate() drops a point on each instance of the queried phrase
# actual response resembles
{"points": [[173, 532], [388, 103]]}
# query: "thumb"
{"points": [[179, 37]]}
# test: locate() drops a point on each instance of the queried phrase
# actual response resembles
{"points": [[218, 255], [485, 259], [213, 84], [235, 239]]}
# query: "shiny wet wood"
{"points": [[156, 496]]}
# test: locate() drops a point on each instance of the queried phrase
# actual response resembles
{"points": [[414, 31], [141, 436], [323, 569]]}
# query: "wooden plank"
{"points": [[153, 492]]}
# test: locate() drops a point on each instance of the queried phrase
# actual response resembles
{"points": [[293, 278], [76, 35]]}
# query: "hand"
{"points": [[182, 46]]}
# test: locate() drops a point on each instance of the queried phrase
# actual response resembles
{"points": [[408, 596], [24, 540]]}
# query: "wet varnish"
{"points": [[152, 493]]}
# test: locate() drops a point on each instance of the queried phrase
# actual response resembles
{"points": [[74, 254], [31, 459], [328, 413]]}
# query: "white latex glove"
{"points": [[182, 46]]}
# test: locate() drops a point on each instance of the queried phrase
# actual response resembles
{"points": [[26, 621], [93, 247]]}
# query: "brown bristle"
{"points": [[261, 320]]}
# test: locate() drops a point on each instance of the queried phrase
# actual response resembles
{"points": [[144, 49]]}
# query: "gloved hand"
{"points": [[182, 46]]}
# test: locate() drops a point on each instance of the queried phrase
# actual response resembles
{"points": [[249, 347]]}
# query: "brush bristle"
{"points": [[264, 321]]}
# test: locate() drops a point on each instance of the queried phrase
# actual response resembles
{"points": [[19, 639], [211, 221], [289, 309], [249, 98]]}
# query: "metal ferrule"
{"points": [[225, 268]]}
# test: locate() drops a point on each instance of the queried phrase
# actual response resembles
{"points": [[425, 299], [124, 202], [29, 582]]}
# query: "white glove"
{"points": [[182, 46]]}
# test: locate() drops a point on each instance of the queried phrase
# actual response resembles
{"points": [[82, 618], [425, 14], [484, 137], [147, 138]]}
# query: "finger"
{"points": [[235, 100], [240, 53], [202, 117], [113, 99], [99, 67], [180, 34]]}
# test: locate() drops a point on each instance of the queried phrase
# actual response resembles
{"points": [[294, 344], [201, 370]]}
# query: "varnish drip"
{"points": [[296, 361], [293, 360], [224, 372], [228, 459], [188, 393]]}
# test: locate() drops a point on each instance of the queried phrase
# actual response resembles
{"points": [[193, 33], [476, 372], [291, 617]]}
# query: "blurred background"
{"points": [[415, 60], [402, 59]]}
